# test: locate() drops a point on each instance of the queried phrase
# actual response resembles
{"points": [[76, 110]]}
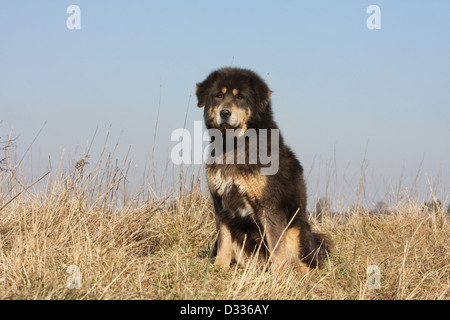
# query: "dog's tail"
{"points": [[323, 246]]}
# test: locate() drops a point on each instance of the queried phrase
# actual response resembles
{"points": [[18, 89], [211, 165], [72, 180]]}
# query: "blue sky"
{"points": [[345, 97]]}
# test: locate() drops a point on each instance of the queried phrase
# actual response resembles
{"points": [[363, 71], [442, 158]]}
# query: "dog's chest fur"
{"points": [[239, 191]]}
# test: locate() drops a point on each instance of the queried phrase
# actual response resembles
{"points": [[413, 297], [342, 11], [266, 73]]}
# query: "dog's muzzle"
{"points": [[225, 114]]}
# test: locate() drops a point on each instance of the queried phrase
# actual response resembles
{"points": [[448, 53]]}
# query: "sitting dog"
{"points": [[255, 212]]}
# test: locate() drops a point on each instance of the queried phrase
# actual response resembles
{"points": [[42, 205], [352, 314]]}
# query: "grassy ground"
{"points": [[131, 248]]}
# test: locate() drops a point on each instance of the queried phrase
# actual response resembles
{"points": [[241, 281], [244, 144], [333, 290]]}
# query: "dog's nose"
{"points": [[225, 113]]}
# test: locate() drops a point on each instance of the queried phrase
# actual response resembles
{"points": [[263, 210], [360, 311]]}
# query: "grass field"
{"points": [[75, 234]]}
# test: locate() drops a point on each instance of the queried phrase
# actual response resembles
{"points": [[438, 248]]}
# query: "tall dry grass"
{"points": [[132, 247]]}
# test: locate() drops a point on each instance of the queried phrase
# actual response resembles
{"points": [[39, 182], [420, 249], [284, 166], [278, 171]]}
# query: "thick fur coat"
{"points": [[255, 213]]}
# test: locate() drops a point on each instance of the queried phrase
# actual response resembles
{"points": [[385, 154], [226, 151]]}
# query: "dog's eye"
{"points": [[240, 97], [219, 95]]}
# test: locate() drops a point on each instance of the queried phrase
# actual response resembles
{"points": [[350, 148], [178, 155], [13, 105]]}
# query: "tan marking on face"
{"points": [[211, 113], [244, 119], [269, 93], [235, 92], [224, 90]]}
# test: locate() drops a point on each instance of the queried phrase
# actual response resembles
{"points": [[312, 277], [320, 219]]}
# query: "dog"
{"points": [[255, 213]]}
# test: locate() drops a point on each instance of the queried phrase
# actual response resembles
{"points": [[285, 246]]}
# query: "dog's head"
{"points": [[233, 99]]}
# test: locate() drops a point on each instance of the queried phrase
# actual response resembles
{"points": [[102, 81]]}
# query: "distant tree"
{"points": [[356, 209], [381, 208], [5, 146], [432, 206], [322, 206], [448, 209]]}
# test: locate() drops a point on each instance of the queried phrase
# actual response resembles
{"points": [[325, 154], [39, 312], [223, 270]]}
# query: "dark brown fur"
{"points": [[255, 212]]}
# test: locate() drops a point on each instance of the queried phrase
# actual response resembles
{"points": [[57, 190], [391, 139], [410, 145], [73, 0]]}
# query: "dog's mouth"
{"points": [[224, 119], [226, 125]]}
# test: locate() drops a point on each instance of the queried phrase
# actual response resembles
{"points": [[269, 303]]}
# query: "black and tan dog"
{"points": [[256, 213]]}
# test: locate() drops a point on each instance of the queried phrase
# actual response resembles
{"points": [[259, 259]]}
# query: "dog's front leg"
{"points": [[224, 245], [276, 243]]}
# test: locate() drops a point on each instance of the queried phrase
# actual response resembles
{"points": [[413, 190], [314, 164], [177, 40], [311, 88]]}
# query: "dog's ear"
{"points": [[261, 92], [203, 88], [264, 100], [201, 94]]}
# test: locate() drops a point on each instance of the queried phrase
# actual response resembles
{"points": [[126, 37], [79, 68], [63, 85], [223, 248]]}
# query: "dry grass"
{"points": [[156, 248]]}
